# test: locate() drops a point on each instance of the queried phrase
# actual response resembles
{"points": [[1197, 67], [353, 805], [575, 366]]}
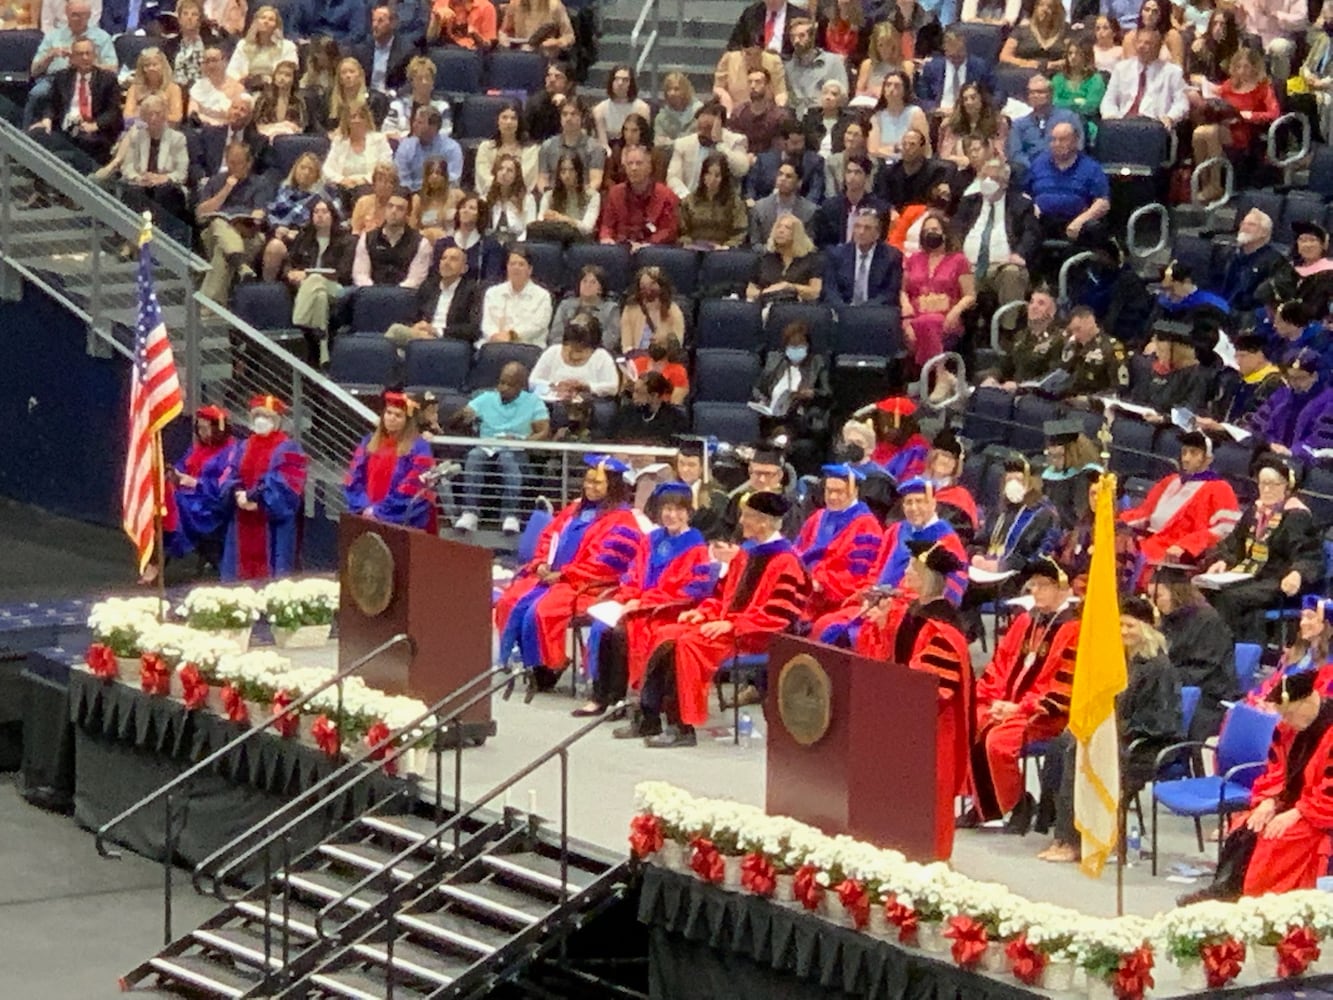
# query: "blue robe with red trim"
{"points": [[271, 468], [388, 485], [906, 460], [197, 513]]}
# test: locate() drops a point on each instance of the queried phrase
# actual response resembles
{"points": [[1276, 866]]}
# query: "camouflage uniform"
{"points": [[1033, 356], [1095, 367]]}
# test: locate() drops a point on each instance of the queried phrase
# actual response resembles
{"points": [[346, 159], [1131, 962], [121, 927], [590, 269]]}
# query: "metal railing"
{"points": [[1222, 163], [1066, 268], [168, 790], [952, 363], [1289, 163], [1153, 210], [997, 321], [640, 57]]}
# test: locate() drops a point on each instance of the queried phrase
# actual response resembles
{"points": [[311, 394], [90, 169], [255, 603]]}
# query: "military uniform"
{"points": [[1095, 367], [1033, 355]]}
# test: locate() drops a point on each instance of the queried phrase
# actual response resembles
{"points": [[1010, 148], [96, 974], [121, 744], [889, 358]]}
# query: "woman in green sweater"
{"points": [[1080, 87]]}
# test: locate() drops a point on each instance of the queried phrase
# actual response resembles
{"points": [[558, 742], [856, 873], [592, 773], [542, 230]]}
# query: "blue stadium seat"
{"points": [[476, 118], [726, 271], [1011, 81], [1132, 446], [1166, 451], [679, 264], [724, 376], [1204, 257], [733, 422], [868, 332], [1317, 492], [1030, 414], [363, 364], [287, 149], [17, 47], [1231, 461], [265, 305], [823, 324], [983, 40], [437, 364], [1321, 169], [492, 357], [614, 259], [516, 71], [129, 46], [730, 323], [1300, 206], [989, 417], [548, 265], [457, 70], [375, 308], [1247, 657], [1138, 146]]}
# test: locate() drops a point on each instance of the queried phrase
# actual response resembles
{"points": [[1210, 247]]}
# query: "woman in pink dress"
{"points": [[938, 289]]}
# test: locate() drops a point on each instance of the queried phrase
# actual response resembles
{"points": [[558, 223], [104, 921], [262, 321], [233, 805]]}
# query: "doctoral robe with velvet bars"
{"points": [[839, 549]]}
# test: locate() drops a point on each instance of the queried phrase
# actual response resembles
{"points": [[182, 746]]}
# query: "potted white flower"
{"points": [[118, 625], [1208, 941], [300, 612], [1116, 956], [228, 611]]}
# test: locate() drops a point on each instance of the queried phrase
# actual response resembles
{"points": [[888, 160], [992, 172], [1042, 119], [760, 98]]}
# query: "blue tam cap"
{"points": [[674, 490], [917, 484], [606, 463], [1321, 605], [843, 471]]}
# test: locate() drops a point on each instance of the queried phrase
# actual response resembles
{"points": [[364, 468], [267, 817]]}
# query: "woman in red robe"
{"points": [[384, 479], [195, 509]]}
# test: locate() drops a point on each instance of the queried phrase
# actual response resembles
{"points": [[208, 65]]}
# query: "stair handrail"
{"points": [[245, 737], [454, 823], [649, 46], [1062, 279], [382, 752]]}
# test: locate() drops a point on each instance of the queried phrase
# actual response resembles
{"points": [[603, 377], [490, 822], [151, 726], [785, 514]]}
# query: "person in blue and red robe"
{"points": [[900, 448], [196, 512], [673, 572], [764, 595], [927, 635], [384, 479], [921, 522], [838, 543], [263, 483], [580, 559]]}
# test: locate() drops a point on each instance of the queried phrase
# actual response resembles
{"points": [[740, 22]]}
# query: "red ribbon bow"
{"points": [[1026, 961], [233, 704], [804, 887], [288, 724], [1222, 961], [706, 860], [1296, 951], [154, 674], [903, 917], [378, 733], [102, 662], [855, 900], [193, 686], [1134, 977], [645, 835], [757, 874], [969, 941], [326, 735]]}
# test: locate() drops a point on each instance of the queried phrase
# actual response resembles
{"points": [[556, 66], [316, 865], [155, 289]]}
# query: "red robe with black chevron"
{"points": [[764, 595], [685, 581], [1033, 667], [929, 638], [839, 549]]}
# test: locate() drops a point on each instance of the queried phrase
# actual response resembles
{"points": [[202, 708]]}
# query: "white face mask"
{"points": [[263, 425], [989, 187], [1014, 491]]}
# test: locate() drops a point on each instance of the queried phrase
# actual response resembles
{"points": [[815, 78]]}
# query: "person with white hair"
{"points": [[63, 24], [1252, 262]]}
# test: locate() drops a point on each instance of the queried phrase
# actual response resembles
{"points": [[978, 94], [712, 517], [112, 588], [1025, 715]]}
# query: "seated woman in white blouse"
{"points": [[569, 200], [513, 208], [262, 48], [578, 365], [354, 154]]}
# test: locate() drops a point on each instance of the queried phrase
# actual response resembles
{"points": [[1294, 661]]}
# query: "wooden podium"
{"points": [[440, 595], [871, 774]]}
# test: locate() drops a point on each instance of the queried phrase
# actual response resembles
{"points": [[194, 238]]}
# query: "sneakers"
{"points": [[672, 737], [467, 522], [510, 526], [639, 727]]}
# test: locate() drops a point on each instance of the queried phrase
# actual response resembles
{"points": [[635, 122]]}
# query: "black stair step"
{"points": [[405, 828], [354, 984], [215, 978], [245, 943], [499, 901], [328, 886], [300, 917], [437, 967], [457, 929], [367, 857], [538, 870]]}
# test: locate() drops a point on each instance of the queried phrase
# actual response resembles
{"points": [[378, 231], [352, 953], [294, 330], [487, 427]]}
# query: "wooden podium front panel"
{"points": [[441, 598], [872, 774]]}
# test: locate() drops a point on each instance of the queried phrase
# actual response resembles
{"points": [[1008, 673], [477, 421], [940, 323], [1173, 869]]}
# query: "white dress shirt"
{"points": [[440, 320], [1163, 97], [999, 238], [954, 79], [526, 312]]}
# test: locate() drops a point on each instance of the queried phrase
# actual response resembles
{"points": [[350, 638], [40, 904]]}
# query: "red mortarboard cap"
{"points": [[272, 403], [213, 414]]}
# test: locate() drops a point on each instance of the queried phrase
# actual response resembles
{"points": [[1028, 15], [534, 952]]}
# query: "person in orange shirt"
{"points": [[470, 24]]}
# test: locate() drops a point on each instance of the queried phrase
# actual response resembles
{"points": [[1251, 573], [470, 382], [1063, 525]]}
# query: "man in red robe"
{"points": [[1023, 697], [839, 542], [1187, 512], [926, 634], [764, 594]]}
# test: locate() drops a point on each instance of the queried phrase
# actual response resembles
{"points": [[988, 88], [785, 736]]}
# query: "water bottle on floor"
{"points": [[1133, 845], [745, 728]]}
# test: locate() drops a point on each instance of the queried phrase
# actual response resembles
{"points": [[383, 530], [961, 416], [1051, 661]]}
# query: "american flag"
{"points": [[155, 400]]}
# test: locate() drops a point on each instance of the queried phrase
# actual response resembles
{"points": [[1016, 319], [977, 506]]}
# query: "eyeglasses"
{"points": [[1271, 481]]}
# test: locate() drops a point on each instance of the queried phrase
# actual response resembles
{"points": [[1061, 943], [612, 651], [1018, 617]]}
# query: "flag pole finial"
{"points": [[146, 228]]}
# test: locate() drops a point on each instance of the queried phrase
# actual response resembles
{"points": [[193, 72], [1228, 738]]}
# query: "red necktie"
{"points": [[769, 24], [1138, 98], [85, 99]]}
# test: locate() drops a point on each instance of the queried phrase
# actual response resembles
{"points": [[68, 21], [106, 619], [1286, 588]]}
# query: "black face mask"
{"points": [[849, 452], [932, 240]]}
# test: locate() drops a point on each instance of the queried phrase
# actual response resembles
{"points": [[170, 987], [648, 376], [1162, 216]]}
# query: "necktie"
{"points": [[953, 84], [1138, 98], [132, 18], [983, 253], [770, 24], [154, 146], [85, 99], [861, 291]]}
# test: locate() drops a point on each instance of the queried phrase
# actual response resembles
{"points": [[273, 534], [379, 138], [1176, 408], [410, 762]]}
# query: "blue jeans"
{"points": [[475, 467]]}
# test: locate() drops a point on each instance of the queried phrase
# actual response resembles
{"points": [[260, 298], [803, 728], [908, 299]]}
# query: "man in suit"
{"points": [[711, 135], [154, 163], [785, 199], [998, 230], [231, 210], [211, 141], [833, 223], [448, 305], [1146, 86], [764, 23], [790, 148], [866, 271], [943, 76], [121, 16], [385, 54], [1031, 134], [85, 106]]}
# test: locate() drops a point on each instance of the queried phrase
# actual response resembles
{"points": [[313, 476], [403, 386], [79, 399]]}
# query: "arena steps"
{"points": [[706, 27]]}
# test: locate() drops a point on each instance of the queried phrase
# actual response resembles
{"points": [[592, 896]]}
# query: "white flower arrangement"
{"points": [[119, 622], [294, 603], [1187, 929], [219, 608]]}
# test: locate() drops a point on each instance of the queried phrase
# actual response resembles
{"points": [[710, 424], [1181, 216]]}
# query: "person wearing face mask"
{"points": [[383, 482], [938, 291], [794, 387], [998, 231], [264, 484], [839, 542], [1298, 418]]}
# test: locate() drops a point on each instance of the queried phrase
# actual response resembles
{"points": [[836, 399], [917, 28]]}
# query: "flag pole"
{"points": [[1121, 852], [159, 471]]}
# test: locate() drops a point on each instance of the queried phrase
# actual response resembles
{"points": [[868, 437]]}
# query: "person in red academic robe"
{"points": [[1023, 696], [1282, 842], [264, 484], [580, 559], [195, 509], [1312, 650], [764, 594], [944, 466], [1186, 513], [927, 635], [673, 572], [839, 543], [900, 447], [383, 481]]}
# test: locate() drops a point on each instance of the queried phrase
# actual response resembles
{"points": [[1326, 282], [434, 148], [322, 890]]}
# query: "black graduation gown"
{"points": [[1200, 647]]}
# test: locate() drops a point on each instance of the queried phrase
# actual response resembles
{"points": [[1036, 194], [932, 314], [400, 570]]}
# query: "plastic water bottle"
{"points": [[1134, 845], [745, 727]]}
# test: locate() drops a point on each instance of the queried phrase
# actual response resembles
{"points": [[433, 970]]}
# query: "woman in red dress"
{"points": [[1252, 108], [938, 289]]}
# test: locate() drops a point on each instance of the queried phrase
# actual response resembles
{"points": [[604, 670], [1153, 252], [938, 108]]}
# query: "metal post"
{"points": [[457, 731], [393, 933], [286, 902], [268, 910], [193, 349], [6, 200], [657, 33], [168, 850], [95, 296], [564, 826]]}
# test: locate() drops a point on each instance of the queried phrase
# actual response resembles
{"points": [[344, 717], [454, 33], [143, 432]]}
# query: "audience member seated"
{"points": [[794, 389], [448, 304], [1314, 269], [369, 211], [884, 55], [435, 204], [789, 148], [1293, 329], [759, 119], [184, 51], [1073, 468], [259, 52], [231, 212], [809, 69], [1107, 43], [973, 116], [1317, 74], [667, 359], [577, 365], [689, 151], [1159, 17], [784, 200], [426, 143], [790, 270], [1069, 188], [289, 211], [853, 138], [998, 232], [84, 106], [825, 122], [590, 296], [900, 447], [1253, 107], [280, 109], [213, 93], [839, 542], [894, 116], [1200, 646], [541, 112], [228, 15], [1037, 346], [910, 179], [570, 207], [485, 257], [420, 94], [1278, 24], [676, 110], [938, 290], [510, 410], [622, 99], [834, 223], [469, 24], [1080, 87], [151, 76], [1093, 361], [517, 310], [843, 30], [394, 253], [919, 27], [354, 153], [1252, 262], [508, 140], [574, 140], [1297, 419], [1177, 379], [649, 415], [1041, 42], [1181, 300], [650, 314], [764, 24], [1211, 52], [537, 26], [384, 56], [1030, 136], [634, 132], [940, 84], [1023, 696], [713, 216], [641, 210], [319, 270], [350, 90], [153, 160], [1237, 399], [54, 51], [864, 270], [383, 481]]}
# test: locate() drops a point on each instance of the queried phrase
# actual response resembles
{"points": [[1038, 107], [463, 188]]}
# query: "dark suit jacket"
{"points": [[210, 143], [763, 174], [831, 222], [104, 92], [749, 28], [1020, 222], [896, 186], [464, 317], [401, 52], [341, 253], [116, 14], [929, 84], [814, 129], [886, 275]]}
